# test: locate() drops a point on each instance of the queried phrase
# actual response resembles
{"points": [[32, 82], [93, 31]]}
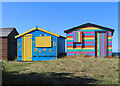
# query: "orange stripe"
{"points": [[105, 44], [109, 36], [78, 46], [88, 36], [89, 56], [89, 46], [69, 36], [109, 56], [69, 46], [109, 45], [80, 36]]}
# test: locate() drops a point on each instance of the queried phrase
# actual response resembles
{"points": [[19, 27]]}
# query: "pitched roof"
{"points": [[4, 32], [36, 28], [89, 24]]}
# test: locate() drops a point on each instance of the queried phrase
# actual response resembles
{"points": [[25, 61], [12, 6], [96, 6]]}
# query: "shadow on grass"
{"points": [[48, 78]]}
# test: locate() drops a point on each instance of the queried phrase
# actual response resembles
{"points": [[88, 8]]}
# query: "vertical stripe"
{"points": [[101, 44], [75, 36], [79, 37], [97, 44], [105, 44]]}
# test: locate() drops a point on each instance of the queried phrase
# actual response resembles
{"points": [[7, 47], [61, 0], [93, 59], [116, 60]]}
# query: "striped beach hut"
{"points": [[89, 39], [38, 44]]}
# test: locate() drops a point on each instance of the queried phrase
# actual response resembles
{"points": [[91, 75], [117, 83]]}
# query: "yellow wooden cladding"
{"points": [[89, 28], [109, 47], [27, 47], [89, 38], [43, 41], [109, 37], [69, 38]]}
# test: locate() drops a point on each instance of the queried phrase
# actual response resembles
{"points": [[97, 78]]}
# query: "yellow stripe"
{"points": [[90, 28], [97, 44], [79, 37], [49, 32], [69, 38], [38, 29], [109, 37], [89, 38], [69, 48], [25, 33], [109, 47]]}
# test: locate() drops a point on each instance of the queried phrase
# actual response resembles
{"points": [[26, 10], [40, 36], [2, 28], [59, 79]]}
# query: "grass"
{"points": [[62, 71]]}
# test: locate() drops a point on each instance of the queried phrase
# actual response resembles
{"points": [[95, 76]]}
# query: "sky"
{"points": [[59, 16]]}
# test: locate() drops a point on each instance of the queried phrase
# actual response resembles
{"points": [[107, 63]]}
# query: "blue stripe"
{"points": [[90, 34], [109, 43], [89, 44], [109, 34], [69, 34]]}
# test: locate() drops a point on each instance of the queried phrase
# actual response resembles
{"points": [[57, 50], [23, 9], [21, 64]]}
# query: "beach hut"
{"points": [[8, 48], [38, 45], [89, 39]]}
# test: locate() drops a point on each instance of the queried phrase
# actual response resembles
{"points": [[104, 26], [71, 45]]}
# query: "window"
{"points": [[43, 41]]}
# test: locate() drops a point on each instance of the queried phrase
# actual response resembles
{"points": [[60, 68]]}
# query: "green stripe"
{"points": [[80, 50], [69, 40], [109, 49], [109, 39], [89, 40]]}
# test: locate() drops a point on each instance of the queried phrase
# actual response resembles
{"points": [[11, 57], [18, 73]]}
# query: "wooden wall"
{"points": [[4, 48], [88, 44]]}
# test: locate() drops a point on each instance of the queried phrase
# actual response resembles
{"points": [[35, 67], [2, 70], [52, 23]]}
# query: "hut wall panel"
{"points": [[88, 43], [109, 44], [60, 46], [40, 53], [4, 48], [19, 49]]}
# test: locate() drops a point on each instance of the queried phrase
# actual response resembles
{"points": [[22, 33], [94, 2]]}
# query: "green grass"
{"points": [[62, 71]]}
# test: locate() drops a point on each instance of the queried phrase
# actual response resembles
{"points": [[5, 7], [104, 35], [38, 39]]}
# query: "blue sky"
{"points": [[59, 16]]}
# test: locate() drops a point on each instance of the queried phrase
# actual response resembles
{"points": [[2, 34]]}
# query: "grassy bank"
{"points": [[62, 71]]}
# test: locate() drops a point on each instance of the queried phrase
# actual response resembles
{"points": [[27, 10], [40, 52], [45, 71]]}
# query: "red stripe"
{"points": [[80, 36], [88, 36], [109, 45], [69, 46], [89, 56], [69, 36], [78, 46], [89, 46], [109, 56], [109, 36]]}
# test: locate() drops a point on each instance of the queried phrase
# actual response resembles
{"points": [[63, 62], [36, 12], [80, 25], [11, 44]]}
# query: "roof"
{"points": [[36, 28], [4, 32], [89, 24]]}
